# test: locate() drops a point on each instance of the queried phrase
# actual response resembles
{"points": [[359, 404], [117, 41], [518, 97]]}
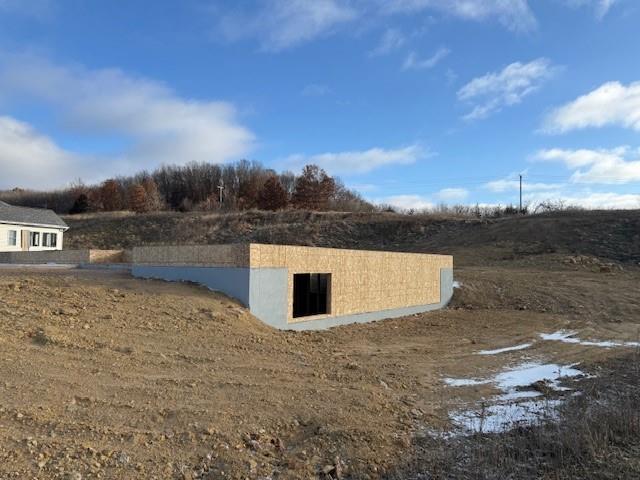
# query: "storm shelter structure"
{"points": [[307, 288]]}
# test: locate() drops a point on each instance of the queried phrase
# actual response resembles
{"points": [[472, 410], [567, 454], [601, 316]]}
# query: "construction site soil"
{"points": [[107, 376]]}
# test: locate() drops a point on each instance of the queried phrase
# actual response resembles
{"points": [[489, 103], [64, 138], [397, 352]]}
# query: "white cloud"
{"points": [[589, 200], [315, 90], [156, 124], [363, 187], [407, 202], [513, 14], [283, 24], [413, 62], [30, 159], [424, 202], [391, 40], [597, 166], [603, 7], [512, 184], [600, 7], [360, 161], [610, 104], [452, 194], [494, 91]]}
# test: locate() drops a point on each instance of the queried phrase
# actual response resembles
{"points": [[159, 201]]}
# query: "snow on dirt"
{"points": [[570, 337], [518, 404], [504, 350], [464, 382]]}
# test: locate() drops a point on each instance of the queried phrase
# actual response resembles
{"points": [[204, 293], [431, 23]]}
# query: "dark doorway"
{"points": [[311, 294]]}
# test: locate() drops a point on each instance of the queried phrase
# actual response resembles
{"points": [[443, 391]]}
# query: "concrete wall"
{"points": [[4, 238], [268, 296], [361, 281], [233, 281]]}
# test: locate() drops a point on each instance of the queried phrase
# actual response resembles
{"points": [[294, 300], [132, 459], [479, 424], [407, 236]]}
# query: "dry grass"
{"points": [[597, 436], [606, 234]]}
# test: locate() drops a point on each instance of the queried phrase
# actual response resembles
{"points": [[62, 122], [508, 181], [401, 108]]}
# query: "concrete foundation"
{"points": [[265, 292], [232, 281]]}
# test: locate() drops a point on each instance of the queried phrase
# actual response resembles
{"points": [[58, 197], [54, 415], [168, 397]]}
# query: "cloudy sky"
{"points": [[411, 102]]}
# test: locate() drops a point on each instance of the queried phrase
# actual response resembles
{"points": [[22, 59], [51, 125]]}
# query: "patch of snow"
{"points": [[528, 373], [515, 405], [457, 284], [503, 350], [501, 417], [570, 337], [518, 395], [464, 382]]}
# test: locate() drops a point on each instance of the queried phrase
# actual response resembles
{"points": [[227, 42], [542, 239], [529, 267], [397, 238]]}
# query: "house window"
{"points": [[54, 240], [35, 239], [13, 238], [45, 239], [311, 294]]}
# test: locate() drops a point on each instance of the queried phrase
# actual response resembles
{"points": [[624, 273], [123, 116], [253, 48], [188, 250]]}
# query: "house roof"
{"points": [[30, 216]]}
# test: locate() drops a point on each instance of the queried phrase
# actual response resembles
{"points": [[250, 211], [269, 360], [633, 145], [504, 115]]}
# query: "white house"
{"points": [[30, 229]]}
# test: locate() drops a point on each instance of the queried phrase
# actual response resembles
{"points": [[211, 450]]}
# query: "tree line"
{"points": [[238, 186]]}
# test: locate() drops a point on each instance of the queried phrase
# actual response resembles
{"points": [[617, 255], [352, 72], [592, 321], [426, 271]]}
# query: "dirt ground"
{"points": [[105, 376]]}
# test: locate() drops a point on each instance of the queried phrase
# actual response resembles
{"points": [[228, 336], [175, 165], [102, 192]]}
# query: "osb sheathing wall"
{"points": [[108, 256], [361, 281], [236, 255]]}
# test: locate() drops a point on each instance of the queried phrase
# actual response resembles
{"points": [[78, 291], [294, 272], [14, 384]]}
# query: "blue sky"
{"points": [[411, 102]]}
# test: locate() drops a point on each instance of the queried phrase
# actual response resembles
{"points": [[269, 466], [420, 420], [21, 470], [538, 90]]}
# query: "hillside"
{"points": [[612, 235]]}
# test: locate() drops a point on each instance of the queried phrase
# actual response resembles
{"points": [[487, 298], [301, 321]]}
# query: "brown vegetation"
{"points": [[596, 436], [272, 195], [232, 187], [613, 235]]}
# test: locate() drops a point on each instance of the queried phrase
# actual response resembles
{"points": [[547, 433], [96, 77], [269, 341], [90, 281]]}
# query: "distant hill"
{"points": [[613, 235]]}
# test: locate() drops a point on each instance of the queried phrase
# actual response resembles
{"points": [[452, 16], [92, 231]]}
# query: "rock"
{"points": [[122, 458], [542, 386], [327, 469], [73, 476], [254, 445], [416, 413]]}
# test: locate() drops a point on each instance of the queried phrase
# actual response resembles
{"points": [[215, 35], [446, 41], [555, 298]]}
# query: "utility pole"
{"points": [[221, 188], [521, 194]]}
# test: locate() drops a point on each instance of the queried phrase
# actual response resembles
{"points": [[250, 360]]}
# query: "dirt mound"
{"points": [[610, 235]]}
